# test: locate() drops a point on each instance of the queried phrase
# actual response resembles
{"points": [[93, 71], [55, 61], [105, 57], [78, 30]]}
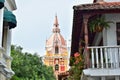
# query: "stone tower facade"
{"points": [[56, 51]]}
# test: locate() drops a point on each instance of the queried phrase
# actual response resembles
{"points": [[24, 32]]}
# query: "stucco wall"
{"points": [[109, 35]]}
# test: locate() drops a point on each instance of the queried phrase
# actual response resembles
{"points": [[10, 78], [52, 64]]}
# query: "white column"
{"points": [[1, 25], [4, 40], [7, 40], [8, 49]]}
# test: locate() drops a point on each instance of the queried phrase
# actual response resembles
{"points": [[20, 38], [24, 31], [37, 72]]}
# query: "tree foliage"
{"points": [[29, 67]]}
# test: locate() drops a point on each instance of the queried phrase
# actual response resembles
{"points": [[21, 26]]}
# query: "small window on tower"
{"points": [[56, 50], [56, 67]]}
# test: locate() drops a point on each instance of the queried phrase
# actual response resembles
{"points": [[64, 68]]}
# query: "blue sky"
{"points": [[35, 20]]}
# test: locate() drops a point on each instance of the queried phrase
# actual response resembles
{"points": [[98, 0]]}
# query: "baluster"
{"points": [[93, 61], [106, 58], [97, 58], [117, 78], [101, 56], [111, 57], [119, 56], [116, 57], [102, 78]]}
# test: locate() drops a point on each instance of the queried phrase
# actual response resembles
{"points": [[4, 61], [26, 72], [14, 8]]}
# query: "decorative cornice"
{"points": [[7, 57], [9, 73]]}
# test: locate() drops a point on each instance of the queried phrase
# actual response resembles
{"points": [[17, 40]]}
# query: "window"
{"points": [[56, 67], [56, 50], [118, 32]]}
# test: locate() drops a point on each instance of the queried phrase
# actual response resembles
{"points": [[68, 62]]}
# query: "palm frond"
{"points": [[99, 22]]}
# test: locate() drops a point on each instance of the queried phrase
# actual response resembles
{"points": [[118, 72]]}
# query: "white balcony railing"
{"points": [[104, 56]]}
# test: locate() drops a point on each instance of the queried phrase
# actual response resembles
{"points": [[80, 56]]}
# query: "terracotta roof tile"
{"points": [[100, 5]]}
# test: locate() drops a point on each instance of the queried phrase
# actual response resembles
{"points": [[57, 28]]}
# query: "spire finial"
{"points": [[56, 25], [56, 21]]}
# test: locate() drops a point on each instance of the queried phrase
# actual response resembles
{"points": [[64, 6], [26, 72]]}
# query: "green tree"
{"points": [[29, 67]]}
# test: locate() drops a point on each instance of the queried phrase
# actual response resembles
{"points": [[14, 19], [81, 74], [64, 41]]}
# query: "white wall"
{"points": [[109, 35]]}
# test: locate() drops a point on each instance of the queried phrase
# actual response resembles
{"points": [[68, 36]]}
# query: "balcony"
{"points": [[102, 61]]}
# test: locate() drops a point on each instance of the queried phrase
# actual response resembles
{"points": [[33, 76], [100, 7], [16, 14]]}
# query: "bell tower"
{"points": [[56, 50]]}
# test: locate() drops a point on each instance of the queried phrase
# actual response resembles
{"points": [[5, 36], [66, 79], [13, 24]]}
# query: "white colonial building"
{"points": [[101, 49], [7, 22]]}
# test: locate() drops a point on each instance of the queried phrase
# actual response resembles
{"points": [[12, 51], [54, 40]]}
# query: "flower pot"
{"points": [[98, 29]]}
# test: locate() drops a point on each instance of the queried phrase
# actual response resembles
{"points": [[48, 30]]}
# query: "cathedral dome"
{"points": [[56, 40]]}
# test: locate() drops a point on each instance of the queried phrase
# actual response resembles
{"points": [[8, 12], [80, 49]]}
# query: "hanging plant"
{"points": [[98, 24]]}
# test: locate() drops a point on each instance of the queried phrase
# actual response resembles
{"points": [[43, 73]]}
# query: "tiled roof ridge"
{"points": [[98, 5]]}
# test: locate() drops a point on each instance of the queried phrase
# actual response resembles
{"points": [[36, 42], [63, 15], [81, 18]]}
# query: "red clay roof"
{"points": [[100, 5]]}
